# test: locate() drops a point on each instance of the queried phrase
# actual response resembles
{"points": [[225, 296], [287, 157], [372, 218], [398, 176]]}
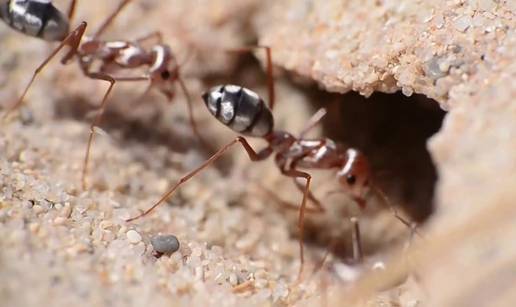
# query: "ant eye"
{"points": [[351, 179], [165, 74]]}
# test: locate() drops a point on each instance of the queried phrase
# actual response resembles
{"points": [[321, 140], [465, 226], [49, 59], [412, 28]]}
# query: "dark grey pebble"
{"points": [[166, 244]]}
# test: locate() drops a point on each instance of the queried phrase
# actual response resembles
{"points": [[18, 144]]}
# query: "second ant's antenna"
{"points": [[109, 20], [411, 225]]}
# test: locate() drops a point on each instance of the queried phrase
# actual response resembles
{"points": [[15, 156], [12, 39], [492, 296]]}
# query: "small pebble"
{"points": [[166, 244], [133, 236], [26, 116]]}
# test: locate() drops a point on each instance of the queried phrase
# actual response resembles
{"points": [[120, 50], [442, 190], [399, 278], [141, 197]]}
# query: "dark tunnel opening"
{"points": [[392, 130]]}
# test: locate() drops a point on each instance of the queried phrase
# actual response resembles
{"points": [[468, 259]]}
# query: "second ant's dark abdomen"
{"points": [[240, 109], [35, 18]]}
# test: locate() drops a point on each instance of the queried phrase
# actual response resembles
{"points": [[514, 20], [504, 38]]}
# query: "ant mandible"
{"points": [[41, 19], [243, 111]]}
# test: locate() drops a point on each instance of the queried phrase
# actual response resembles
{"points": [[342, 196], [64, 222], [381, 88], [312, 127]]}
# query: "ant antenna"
{"points": [[103, 27], [411, 225], [189, 56]]}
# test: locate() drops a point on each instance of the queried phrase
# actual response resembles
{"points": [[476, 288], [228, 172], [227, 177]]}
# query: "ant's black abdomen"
{"points": [[240, 109], [39, 18]]}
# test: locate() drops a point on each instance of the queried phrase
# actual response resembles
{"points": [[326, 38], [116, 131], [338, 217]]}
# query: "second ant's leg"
{"points": [[71, 10], [98, 118], [110, 19], [96, 121], [311, 197], [72, 39], [191, 117], [329, 249], [269, 67], [189, 102], [253, 155], [356, 240], [287, 205]]}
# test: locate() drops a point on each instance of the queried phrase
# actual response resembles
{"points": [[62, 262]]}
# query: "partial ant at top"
{"points": [[41, 19], [37, 18], [243, 111]]}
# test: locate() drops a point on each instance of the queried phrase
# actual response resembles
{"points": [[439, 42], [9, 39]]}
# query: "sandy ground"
{"points": [[61, 245]]}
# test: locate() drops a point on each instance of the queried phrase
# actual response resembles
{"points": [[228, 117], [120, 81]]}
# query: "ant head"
{"points": [[165, 70], [164, 81], [355, 175]]}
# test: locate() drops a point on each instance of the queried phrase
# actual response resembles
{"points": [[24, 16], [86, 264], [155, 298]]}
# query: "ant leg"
{"points": [[330, 248], [72, 39], [143, 95], [96, 121], [301, 221], [269, 67], [356, 240], [188, 98], [313, 121], [110, 19], [311, 197], [191, 117], [71, 10], [283, 203], [102, 108], [253, 155]]}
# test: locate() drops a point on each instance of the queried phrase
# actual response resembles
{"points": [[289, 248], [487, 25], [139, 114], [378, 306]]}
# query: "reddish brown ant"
{"points": [[245, 112], [162, 69]]}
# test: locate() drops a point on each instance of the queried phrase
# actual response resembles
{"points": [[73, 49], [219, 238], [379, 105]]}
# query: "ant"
{"points": [[41, 19], [243, 111]]}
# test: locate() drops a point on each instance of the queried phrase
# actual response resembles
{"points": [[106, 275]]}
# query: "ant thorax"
{"points": [[122, 54], [318, 153], [131, 56]]}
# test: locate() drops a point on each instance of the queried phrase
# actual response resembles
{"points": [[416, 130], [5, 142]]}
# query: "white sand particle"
{"points": [[133, 236]]}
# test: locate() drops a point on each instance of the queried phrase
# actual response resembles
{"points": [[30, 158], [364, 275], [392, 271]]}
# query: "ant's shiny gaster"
{"points": [[240, 109], [38, 18]]}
